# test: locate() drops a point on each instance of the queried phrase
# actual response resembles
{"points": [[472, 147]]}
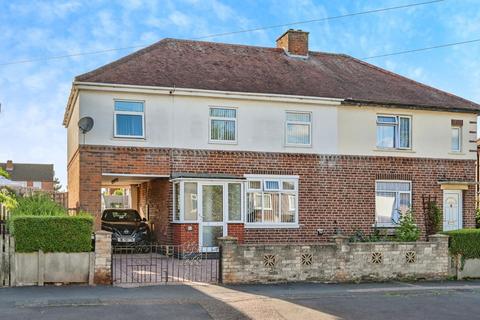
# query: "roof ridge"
{"points": [[396, 75], [165, 40]]}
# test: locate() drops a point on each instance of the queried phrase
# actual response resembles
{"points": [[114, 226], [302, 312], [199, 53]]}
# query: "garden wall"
{"points": [[339, 261], [38, 268]]}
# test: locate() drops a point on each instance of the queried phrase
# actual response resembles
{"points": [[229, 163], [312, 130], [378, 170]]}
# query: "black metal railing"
{"points": [[155, 263]]}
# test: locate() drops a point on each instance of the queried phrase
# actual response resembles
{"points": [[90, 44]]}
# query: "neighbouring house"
{"points": [[268, 144], [30, 175]]}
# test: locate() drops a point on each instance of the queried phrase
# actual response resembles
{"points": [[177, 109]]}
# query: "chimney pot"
{"points": [[9, 166], [294, 42]]}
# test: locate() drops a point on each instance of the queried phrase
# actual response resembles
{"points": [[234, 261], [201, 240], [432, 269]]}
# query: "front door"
{"points": [[212, 215], [452, 210]]}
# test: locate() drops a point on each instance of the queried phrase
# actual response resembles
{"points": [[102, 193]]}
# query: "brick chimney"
{"points": [[9, 166], [294, 42]]}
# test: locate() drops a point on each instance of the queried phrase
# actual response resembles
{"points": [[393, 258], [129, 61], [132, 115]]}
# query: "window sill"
{"points": [[271, 226], [185, 222], [394, 150], [222, 142], [298, 146], [120, 138], [457, 153], [385, 225]]}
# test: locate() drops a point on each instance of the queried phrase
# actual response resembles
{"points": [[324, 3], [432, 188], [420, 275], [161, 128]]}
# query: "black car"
{"points": [[126, 226]]}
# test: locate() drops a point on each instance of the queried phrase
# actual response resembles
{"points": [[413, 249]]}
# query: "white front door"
{"points": [[452, 210], [212, 215]]}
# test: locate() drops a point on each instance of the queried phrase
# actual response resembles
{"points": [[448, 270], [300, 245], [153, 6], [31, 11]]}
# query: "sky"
{"points": [[33, 95]]}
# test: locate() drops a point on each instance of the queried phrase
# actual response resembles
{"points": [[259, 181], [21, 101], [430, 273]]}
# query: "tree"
{"points": [[56, 184]]}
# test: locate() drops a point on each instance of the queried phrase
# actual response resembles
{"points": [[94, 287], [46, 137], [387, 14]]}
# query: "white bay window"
{"points": [[207, 200]]}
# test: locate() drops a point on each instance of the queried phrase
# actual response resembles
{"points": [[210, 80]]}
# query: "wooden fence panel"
{"points": [[5, 256]]}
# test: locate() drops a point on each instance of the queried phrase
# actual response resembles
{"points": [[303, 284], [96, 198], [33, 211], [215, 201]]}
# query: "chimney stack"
{"points": [[294, 42], [9, 166]]}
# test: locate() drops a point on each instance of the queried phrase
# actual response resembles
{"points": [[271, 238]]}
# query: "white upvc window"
{"points": [[129, 119], [37, 184], [456, 144], [392, 199], [298, 129], [176, 201], [394, 132], [271, 201], [222, 125], [186, 193]]}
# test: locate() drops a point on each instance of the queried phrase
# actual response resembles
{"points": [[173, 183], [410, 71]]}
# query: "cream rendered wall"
{"points": [[182, 122], [73, 133], [431, 132]]}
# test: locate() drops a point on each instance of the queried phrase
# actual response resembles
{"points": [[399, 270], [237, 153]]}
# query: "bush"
{"points": [[465, 242], [38, 204], [52, 233], [407, 230]]}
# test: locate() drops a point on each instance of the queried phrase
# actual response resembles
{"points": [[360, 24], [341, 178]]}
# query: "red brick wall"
{"points": [[73, 181], [47, 185], [181, 234], [334, 191], [236, 230], [155, 195]]}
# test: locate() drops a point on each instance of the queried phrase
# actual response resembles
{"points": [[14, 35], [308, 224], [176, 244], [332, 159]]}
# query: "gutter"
{"points": [[78, 85], [359, 102]]}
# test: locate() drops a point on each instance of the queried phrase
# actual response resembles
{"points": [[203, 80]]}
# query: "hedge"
{"points": [[465, 242], [52, 233]]}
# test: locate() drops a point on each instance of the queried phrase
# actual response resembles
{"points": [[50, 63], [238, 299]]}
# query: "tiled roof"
{"points": [[30, 172], [238, 68]]}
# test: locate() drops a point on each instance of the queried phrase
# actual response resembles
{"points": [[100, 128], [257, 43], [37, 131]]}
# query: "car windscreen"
{"points": [[121, 216]]}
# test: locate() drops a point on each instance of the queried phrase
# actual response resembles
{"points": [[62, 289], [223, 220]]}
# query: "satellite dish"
{"points": [[85, 124]]}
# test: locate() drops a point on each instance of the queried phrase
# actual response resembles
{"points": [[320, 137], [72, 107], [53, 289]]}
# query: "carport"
{"points": [[146, 193]]}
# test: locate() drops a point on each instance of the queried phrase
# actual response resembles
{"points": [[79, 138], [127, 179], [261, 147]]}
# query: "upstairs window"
{"points": [[298, 128], [392, 199], [223, 125], [129, 119], [272, 201], [456, 139], [393, 132]]}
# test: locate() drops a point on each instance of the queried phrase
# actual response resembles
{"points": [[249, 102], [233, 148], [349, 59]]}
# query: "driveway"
{"points": [[430, 300]]}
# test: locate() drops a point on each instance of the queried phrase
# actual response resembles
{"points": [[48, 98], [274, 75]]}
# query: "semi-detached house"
{"points": [[268, 144]]}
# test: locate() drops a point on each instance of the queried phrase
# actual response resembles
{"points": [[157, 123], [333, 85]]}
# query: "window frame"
{"points": [[280, 192], [180, 183], [211, 118], [134, 113], [37, 184], [396, 126], [397, 199], [459, 128], [287, 122]]}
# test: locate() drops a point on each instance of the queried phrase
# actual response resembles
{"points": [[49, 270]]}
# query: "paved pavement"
{"points": [[429, 300]]}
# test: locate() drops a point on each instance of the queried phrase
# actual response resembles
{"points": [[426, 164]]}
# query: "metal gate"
{"points": [[155, 263]]}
